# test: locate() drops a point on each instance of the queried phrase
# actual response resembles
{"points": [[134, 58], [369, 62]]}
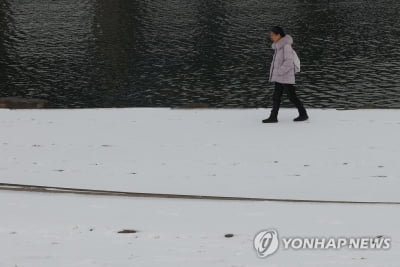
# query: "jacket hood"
{"points": [[282, 42]]}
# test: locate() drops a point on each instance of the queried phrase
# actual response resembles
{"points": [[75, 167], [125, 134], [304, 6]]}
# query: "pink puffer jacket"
{"points": [[282, 67]]}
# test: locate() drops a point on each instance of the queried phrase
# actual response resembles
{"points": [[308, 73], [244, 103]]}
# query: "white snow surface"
{"points": [[336, 155]]}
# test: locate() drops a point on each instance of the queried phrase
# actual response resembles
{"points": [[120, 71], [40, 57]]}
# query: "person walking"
{"points": [[282, 72]]}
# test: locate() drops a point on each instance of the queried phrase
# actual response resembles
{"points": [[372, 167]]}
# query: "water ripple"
{"points": [[123, 53]]}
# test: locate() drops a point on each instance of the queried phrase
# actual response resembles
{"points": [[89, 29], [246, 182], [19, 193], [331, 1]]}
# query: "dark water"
{"points": [[103, 53]]}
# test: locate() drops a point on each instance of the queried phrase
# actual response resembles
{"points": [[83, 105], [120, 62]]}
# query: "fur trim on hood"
{"points": [[282, 42]]}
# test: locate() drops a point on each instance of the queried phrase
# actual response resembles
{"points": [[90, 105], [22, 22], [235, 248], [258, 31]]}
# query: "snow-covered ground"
{"points": [[336, 155], [49, 230]]}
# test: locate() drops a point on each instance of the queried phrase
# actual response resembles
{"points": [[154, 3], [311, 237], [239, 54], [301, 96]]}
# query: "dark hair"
{"points": [[278, 30]]}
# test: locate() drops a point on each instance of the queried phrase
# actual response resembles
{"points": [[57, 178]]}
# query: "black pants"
{"points": [[291, 93]]}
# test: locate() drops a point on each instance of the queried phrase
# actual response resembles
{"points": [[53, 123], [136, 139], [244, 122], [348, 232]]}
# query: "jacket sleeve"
{"points": [[288, 58]]}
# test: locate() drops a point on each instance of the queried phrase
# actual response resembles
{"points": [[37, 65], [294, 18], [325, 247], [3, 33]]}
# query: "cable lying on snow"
{"points": [[83, 191]]}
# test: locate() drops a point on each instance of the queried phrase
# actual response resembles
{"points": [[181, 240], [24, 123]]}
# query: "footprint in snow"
{"points": [[127, 231]]}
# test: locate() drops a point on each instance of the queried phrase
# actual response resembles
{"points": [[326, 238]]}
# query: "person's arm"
{"points": [[288, 63]]}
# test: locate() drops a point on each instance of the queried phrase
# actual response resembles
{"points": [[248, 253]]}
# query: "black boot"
{"points": [[302, 117], [271, 119]]}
